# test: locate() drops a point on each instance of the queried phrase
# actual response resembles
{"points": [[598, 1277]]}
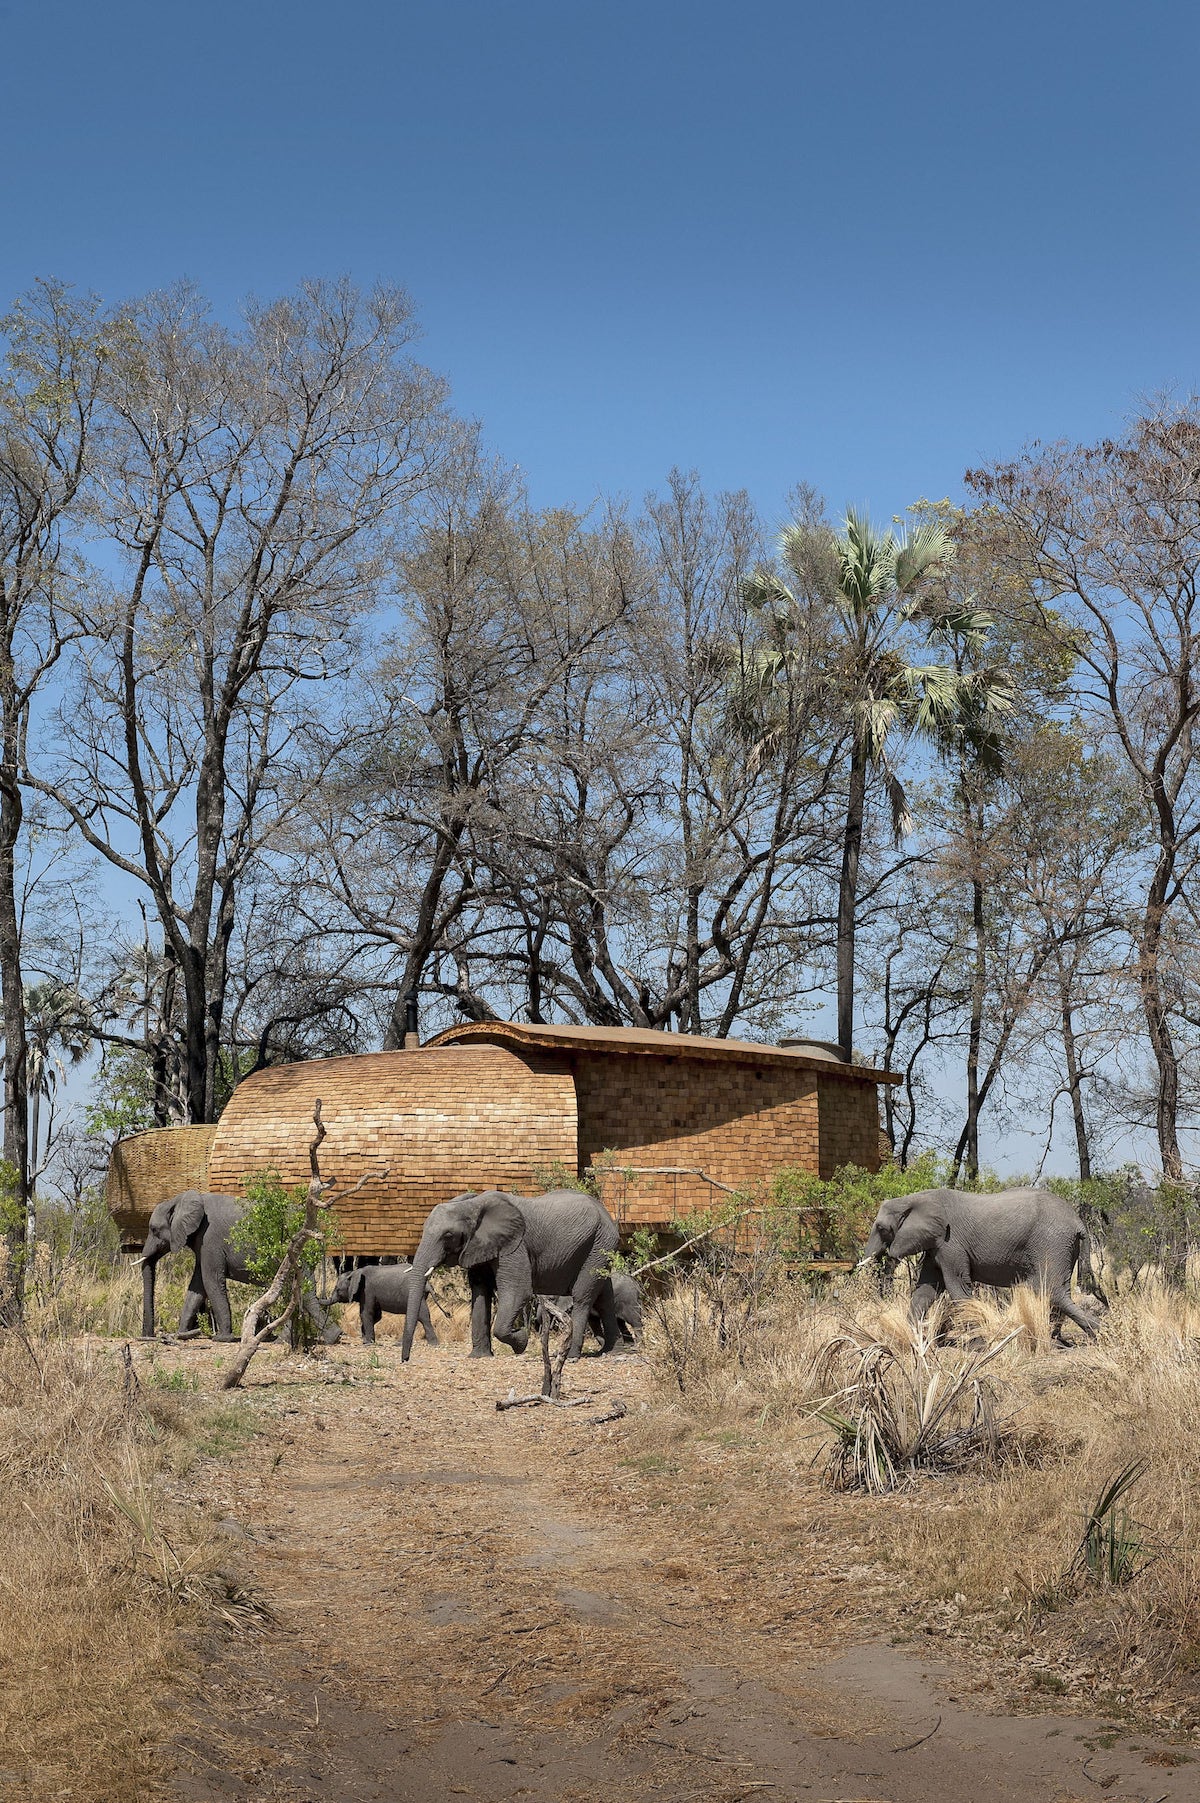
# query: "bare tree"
{"points": [[251, 482], [1107, 540], [57, 348], [416, 820]]}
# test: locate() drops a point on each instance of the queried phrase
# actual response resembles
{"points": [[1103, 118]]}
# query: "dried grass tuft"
{"points": [[894, 1414], [1005, 1441], [95, 1583]]}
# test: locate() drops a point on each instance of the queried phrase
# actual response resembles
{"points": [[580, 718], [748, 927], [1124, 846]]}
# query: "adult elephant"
{"points": [[515, 1247], [1012, 1236], [204, 1222]]}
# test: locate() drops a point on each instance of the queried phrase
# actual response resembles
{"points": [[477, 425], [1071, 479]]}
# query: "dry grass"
{"points": [[993, 1547], [97, 1580]]}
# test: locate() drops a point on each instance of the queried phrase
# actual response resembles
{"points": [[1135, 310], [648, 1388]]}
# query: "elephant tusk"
{"points": [[429, 1274], [863, 1262]]}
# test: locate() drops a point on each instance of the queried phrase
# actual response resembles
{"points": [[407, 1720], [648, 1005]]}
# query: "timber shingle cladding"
{"points": [[498, 1105]]}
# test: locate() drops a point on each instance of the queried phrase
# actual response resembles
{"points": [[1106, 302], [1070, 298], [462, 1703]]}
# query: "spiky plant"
{"points": [[895, 1413]]}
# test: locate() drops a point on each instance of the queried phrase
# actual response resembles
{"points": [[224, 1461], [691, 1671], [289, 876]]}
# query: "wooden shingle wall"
{"points": [[849, 1114], [736, 1122], [437, 1122]]}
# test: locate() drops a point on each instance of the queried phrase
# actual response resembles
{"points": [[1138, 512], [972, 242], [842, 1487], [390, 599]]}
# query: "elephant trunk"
{"points": [[425, 1263], [149, 1266], [873, 1249]]}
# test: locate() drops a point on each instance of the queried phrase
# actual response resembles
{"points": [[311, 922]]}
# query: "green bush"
{"points": [[1137, 1223], [810, 1217], [273, 1218], [275, 1214]]}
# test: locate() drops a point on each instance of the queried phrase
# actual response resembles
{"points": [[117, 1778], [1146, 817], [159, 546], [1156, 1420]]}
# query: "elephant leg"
{"points": [[481, 1312], [195, 1302], [369, 1312], [928, 1288], [218, 1302], [1060, 1305], [509, 1304], [956, 1280], [329, 1331], [604, 1304], [426, 1320]]}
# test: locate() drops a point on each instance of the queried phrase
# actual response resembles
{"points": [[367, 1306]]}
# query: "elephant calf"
{"points": [[1014, 1236], [380, 1290], [627, 1301]]}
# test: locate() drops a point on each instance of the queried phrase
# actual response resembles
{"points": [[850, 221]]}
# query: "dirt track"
{"points": [[522, 1605]]}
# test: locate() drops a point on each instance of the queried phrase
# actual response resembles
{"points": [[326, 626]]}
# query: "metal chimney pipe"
{"points": [[412, 1036]]}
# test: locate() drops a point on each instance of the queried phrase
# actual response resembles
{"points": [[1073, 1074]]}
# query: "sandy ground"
{"points": [[526, 1605]]}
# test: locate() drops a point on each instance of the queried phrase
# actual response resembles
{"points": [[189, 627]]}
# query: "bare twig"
{"points": [[129, 1378], [617, 1412], [717, 1227], [513, 1401], [909, 1745]]}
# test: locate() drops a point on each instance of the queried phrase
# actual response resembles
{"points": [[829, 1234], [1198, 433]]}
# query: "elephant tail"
{"points": [[1085, 1269]]}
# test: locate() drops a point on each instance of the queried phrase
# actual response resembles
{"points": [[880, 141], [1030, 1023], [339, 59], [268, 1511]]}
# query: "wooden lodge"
{"points": [[670, 1123]]}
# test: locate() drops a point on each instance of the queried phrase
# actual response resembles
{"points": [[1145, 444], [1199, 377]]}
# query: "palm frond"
{"points": [[926, 549], [875, 718], [960, 627], [763, 591], [867, 564], [902, 820]]}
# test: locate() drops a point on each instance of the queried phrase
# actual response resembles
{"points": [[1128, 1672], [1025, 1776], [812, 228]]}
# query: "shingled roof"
{"points": [[647, 1042]]}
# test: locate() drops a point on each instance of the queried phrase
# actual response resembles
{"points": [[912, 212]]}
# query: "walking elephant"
{"points": [[1013, 1236], [515, 1247], [204, 1222], [379, 1290]]}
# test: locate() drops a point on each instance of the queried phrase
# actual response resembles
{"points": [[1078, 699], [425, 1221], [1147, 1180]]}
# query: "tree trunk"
{"points": [[1162, 1044], [848, 899], [975, 1030], [425, 931], [12, 1006], [1074, 1077]]}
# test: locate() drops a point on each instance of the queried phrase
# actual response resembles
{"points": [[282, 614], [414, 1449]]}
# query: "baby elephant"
{"points": [[628, 1302], [380, 1290]]}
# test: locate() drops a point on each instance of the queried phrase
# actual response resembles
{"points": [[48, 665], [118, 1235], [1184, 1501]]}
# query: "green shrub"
{"points": [[1137, 1223], [275, 1214], [273, 1218], [809, 1217]]}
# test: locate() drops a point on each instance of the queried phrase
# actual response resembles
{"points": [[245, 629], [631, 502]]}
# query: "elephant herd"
{"points": [[518, 1250], [515, 1251]]}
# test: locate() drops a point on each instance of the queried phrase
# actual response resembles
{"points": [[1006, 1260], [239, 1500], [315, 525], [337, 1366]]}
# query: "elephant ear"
{"points": [[357, 1280], [499, 1227], [922, 1225], [186, 1216]]}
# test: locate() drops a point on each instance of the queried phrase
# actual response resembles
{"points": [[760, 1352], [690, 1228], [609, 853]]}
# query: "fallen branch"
{"points": [[909, 1745], [617, 1412], [513, 1401]]}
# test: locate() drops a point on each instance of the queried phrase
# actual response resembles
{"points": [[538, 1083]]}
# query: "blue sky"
{"points": [[863, 246]]}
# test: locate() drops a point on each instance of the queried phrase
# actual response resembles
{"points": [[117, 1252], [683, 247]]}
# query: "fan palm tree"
{"points": [[879, 590]]}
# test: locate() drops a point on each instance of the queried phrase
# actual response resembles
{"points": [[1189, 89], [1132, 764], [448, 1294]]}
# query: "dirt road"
{"points": [[524, 1605]]}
